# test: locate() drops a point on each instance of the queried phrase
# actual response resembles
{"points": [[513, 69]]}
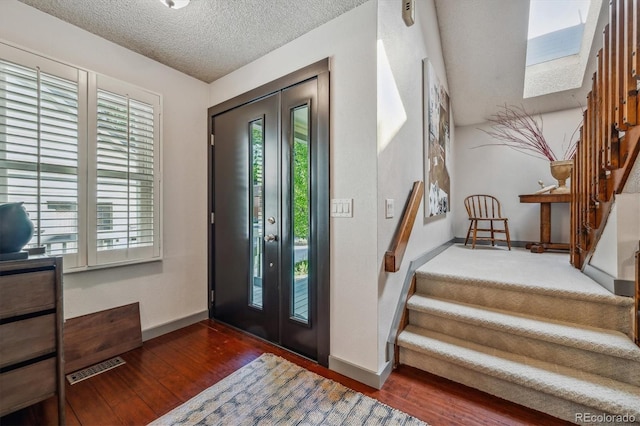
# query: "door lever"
{"points": [[271, 237]]}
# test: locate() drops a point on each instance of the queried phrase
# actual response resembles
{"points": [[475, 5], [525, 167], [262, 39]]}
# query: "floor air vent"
{"points": [[94, 370]]}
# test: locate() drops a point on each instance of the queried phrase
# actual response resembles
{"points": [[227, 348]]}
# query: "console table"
{"points": [[545, 201]]}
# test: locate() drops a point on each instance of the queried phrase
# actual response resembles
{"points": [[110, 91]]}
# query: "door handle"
{"points": [[271, 237]]}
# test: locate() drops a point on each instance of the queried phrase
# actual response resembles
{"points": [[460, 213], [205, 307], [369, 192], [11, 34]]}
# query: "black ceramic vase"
{"points": [[16, 229]]}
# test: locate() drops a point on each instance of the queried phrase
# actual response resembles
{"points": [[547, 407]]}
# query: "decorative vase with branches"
{"points": [[512, 126]]}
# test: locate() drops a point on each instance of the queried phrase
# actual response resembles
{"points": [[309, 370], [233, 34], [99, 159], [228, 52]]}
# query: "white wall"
{"points": [[350, 42], [615, 252], [506, 173], [176, 287], [400, 143]]}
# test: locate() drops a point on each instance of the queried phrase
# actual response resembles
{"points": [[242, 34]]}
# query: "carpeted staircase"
{"points": [[561, 349]]}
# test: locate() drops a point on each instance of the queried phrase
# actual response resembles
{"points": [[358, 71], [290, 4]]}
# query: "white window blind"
{"points": [[39, 152], [126, 173], [82, 152]]}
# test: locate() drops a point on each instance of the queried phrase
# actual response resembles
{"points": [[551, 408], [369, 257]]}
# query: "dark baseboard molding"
{"points": [[614, 285], [415, 264], [174, 325], [459, 240]]}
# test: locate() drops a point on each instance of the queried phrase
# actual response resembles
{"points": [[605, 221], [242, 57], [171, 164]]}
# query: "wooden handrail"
{"points": [[609, 142], [393, 257]]}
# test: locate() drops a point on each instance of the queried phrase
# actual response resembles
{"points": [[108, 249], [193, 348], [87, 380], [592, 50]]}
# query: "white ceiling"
{"points": [[208, 38], [483, 41]]}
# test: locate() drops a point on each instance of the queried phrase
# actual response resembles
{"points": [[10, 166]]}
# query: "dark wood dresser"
{"points": [[31, 321]]}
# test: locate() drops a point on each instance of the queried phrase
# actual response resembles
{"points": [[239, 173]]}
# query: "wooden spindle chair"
{"points": [[485, 208]]}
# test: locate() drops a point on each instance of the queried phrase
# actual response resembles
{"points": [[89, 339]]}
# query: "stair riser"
{"points": [[608, 366], [576, 311], [536, 400]]}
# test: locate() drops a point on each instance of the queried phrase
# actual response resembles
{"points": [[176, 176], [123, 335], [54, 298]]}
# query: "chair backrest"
{"points": [[482, 206]]}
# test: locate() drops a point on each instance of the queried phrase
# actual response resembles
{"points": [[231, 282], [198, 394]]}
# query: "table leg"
{"points": [[545, 223], [545, 230], [545, 233]]}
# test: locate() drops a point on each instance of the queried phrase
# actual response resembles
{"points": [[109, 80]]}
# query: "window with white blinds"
{"points": [[81, 151], [39, 152], [126, 172]]}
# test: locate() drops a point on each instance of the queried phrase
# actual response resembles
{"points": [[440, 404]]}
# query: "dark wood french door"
{"points": [[269, 236]]}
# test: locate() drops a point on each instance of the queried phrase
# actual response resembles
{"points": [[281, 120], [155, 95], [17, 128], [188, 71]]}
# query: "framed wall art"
{"points": [[436, 141]]}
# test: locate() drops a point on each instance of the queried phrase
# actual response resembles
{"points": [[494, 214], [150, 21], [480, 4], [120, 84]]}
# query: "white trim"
{"points": [[368, 377], [92, 129]]}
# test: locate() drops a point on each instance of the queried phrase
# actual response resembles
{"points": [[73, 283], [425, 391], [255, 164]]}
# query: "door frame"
{"points": [[319, 70]]}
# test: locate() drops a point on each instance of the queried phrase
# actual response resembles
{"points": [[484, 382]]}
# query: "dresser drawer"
{"points": [[27, 385], [26, 293], [27, 339]]}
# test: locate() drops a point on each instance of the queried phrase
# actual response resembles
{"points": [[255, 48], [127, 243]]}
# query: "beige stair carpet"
{"points": [[525, 327]]}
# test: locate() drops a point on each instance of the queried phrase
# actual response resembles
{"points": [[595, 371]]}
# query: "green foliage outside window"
{"points": [[301, 190]]}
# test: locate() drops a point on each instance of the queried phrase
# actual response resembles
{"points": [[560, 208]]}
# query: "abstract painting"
{"points": [[436, 141]]}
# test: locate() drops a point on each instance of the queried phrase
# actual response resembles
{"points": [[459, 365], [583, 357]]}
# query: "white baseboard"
{"points": [[368, 377]]}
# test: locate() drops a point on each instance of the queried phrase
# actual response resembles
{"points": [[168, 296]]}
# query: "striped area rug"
{"points": [[273, 391]]}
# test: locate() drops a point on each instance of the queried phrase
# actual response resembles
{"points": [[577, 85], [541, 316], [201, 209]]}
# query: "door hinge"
{"points": [[213, 296], [213, 218], [213, 142]]}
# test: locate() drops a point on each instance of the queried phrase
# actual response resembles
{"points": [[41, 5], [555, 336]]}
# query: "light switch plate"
{"points": [[389, 208], [342, 207]]}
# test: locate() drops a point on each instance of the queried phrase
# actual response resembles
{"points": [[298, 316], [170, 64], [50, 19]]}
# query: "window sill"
{"points": [[109, 265]]}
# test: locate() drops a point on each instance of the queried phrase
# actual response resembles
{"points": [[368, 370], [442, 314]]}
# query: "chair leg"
{"points": [[506, 229], [493, 236], [468, 232], [475, 233]]}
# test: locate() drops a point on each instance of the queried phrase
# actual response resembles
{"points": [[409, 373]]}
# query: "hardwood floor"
{"points": [[175, 367]]}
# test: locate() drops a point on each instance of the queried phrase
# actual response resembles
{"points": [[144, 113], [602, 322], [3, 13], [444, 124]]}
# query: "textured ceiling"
{"points": [[484, 45], [208, 38], [483, 41]]}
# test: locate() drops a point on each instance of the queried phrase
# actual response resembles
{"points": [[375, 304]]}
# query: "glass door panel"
{"points": [[300, 218], [256, 142]]}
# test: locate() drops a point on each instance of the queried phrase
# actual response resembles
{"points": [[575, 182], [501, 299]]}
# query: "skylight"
{"points": [[555, 29], [559, 43], [547, 16]]}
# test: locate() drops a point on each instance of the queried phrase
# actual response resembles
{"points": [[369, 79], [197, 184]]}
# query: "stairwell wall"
{"points": [[506, 173], [615, 252], [401, 50]]}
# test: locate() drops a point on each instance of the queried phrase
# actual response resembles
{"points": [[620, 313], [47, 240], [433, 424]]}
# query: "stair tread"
{"points": [[590, 389], [608, 298], [609, 342], [518, 270]]}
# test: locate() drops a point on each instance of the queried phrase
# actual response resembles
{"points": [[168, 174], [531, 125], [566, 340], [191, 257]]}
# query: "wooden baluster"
{"points": [[613, 148], [635, 71], [587, 168], [605, 134], [593, 149], [602, 139], [585, 182], [630, 85], [573, 235], [612, 152], [619, 65]]}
